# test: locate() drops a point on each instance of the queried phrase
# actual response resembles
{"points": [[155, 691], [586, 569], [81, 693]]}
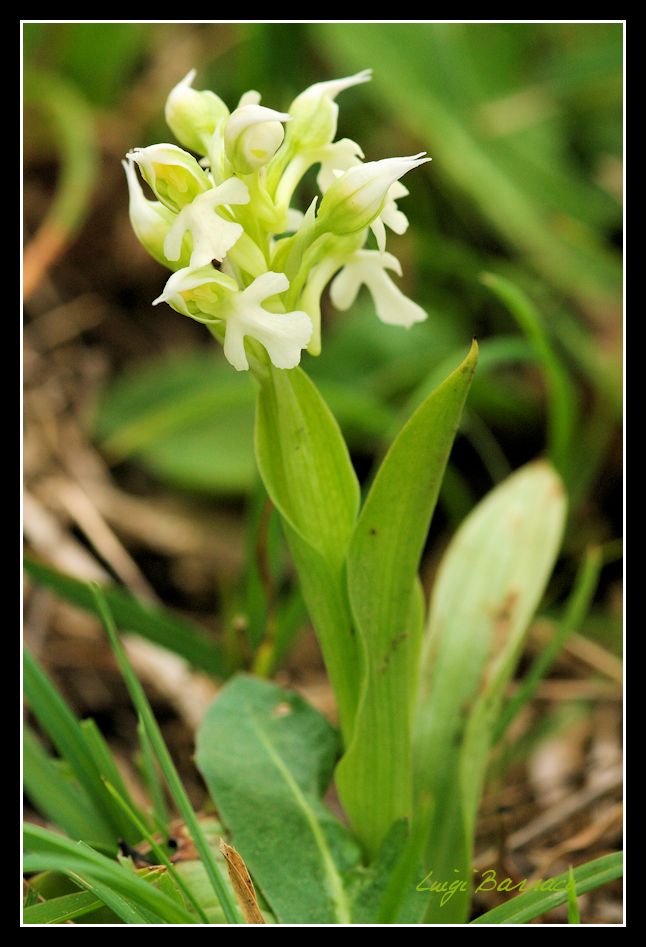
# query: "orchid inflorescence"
{"points": [[244, 261]]}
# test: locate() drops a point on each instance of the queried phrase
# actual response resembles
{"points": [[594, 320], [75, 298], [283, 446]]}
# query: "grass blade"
{"points": [[59, 910], [526, 907], [57, 797], [166, 764], [157, 850], [65, 732], [561, 405], [573, 914], [578, 605], [154, 623], [47, 851], [150, 774]]}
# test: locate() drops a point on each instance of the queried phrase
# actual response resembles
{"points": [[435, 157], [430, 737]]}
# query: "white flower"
{"points": [[390, 216], [193, 116], [283, 335], [330, 89], [369, 267], [150, 220], [252, 136], [207, 295], [173, 174], [315, 112], [356, 198], [196, 291], [212, 235], [336, 158]]}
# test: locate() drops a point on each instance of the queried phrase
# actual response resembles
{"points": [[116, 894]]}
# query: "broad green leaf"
{"points": [[306, 469], [152, 622], [525, 907], [267, 759], [59, 910], [488, 586], [374, 776]]}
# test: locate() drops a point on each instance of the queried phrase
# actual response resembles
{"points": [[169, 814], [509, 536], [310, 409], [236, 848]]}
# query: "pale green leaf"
{"points": [[489, 584]]}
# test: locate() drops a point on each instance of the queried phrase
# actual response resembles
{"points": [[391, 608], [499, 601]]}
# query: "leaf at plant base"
{"points": [[267, 758], [374, 776], [306, 469], [525, 907], [488, 586]]}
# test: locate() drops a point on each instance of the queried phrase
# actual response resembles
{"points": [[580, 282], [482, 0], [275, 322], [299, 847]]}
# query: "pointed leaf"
{"points": [[374, 776]]}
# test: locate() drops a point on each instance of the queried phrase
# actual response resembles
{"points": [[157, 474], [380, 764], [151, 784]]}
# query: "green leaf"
{"points": [[267, 759], [374, 776], [128, 894], [578, 605], [58, 797], [59, 910], [561, 405], [189, 419], [306, 469], [61, 726], [533, 903], [151, 622], [488, 586], [166, 765], [573, 914]]}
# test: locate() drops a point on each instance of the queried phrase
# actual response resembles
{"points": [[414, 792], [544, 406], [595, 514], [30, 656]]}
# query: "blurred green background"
{"points": [[524, 125]]}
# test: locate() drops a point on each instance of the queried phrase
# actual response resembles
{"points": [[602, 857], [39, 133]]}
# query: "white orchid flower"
{"points": [[212, 235], [368, 267]]}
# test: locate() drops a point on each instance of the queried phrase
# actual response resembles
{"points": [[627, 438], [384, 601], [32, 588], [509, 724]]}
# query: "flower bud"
{"points": [[358, 196], [315, 113], [252, 136], [173, 174], [193, 116]]}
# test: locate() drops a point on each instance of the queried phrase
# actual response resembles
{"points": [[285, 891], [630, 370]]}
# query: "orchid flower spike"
{"points": [[246, 260]]}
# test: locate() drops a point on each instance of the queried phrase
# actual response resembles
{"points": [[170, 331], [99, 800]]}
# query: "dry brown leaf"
{"points": [[242, 884]]}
